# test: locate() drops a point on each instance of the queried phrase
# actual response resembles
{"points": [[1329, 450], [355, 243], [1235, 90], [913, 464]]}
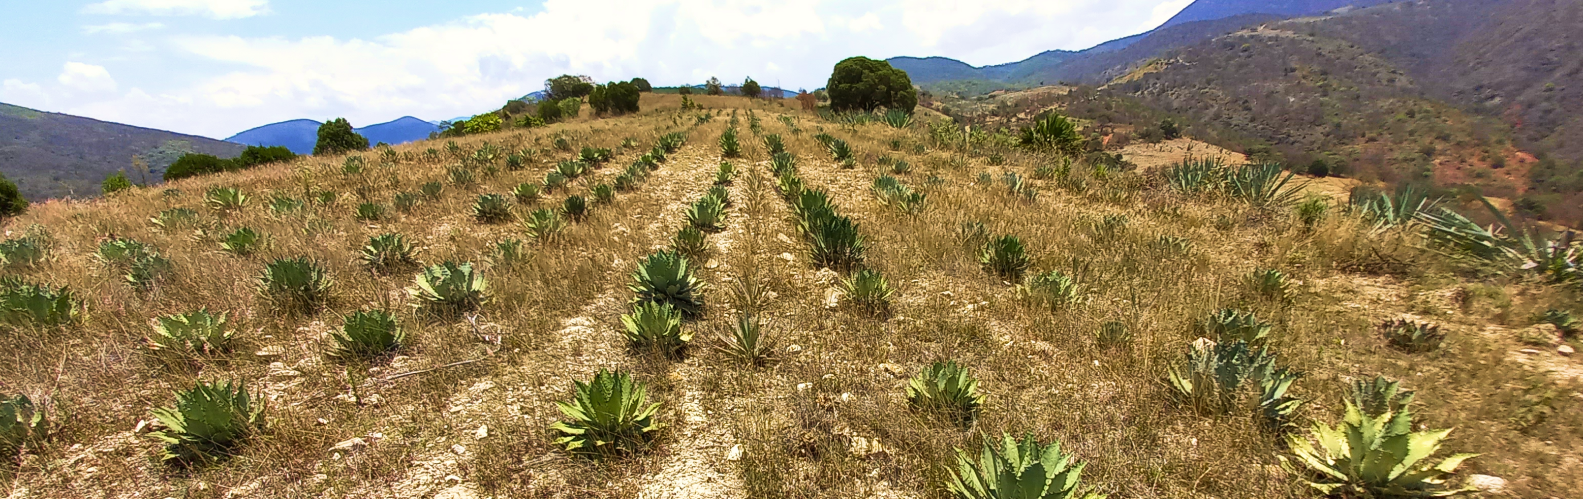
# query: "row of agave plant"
{"points": [[834, 240]]}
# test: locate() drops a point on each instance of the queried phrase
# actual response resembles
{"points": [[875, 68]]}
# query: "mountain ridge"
{"points": [[300, 135]]}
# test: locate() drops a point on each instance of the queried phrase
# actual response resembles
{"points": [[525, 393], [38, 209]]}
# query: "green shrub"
{"points": [[387, 251], [570, 107], [261, 155], [11, 201], [198, 331], [208, 422], [115, 182], [450, 287], [336, 137], [667, 277], [297, 284], [492, 209], [614, 98], [1018, 470], [1312, 210], [483, 123], [194, 164], [607, 416], [366, 335], [242, 242], [24, 304], [655, 327], [1563, 320], [946, 388]]}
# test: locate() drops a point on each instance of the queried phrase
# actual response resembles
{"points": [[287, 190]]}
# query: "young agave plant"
{"points": [[21, 252], [571, 169], [387, 251], [1214, 374], [208, 422], [947, 388], [553, 181], [491, 209], [544, 224], [1275, 406], [198, 331], [868, 290], [508, 252], [1375, 456], [450, 287], [366, 335], [243, 242], [730, 146], [575, 207], [1228, 324], [175, 218], [782, 163], [526, 192], [23, 304], [602, 194], [297, 284], [1005, 257], [369, 212], [656, 327], [1563, 320], [707, 214], [461, 176], [280, 204], [21, 425], [1113, 333], [1411, 336], [667, 277], [774, 144], [690, 242], [1379, 396], [719, 192], [431, 190], [607, 416], [594, 155], [405, 202], [841, 151], [746, 340], [225, 198], [1025, 469], [726, 173], [1272, 284], [625, 182]]}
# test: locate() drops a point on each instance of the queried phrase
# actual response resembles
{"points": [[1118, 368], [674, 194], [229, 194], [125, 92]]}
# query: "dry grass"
{"points": [[826, 416]]}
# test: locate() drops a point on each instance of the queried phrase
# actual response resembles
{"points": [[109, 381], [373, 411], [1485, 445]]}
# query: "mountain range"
{"points": [[300, 135]]}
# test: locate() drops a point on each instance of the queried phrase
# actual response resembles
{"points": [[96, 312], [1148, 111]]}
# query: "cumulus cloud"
{"points": [[86, 78], [218, 9], [120, 28], [476, 63]]}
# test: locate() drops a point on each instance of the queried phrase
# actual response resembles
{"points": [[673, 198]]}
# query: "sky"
{"points": [[218, 67]]}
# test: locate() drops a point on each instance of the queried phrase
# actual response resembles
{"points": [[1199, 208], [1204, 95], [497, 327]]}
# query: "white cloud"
{"points": [[86, 78], [17, 92], [218, 9], [120, 28], [1164, 11], [476, 63]]}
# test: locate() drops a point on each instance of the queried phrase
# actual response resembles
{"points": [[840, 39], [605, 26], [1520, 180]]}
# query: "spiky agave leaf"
{"points": [[607, 416], [667, 277], [1018, 470], [25, 304], [491, 209], [387, 251], [21, 425], [198, 331], [1412, 336], [544, 224], [1275, 406], [773, 144], [1379, 396], [242, 242], [1263, 185], [1375, 456], [707, 214], [366, 334], [208, 421], [725, 173], [948, 388], [450, 287], [297, 284], [657, 327], [1005, 257], [868, 290]]}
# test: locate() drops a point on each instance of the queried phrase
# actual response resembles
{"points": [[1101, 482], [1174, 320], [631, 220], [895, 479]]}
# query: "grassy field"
{"points": [[463, 409]]}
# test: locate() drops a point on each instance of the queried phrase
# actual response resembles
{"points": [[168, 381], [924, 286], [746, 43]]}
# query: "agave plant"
{"points": [[1409, 204], [774, 144], [1312, 210], [369, 212], [21, 425], [450, 287], [1053, 289], [1271, 284], [21, 252], [841, 151], [24, 304], [836, 242], [405, 201], [868, 290], [1212, 379], [1018, 470], [508, 252], [1229, 324], [1412, 336], [387, 251], [1053, 133], [947, 388], [730, 147], [719, 192], [725, 173], [1005, 257], [897, 118], [280, 204], [747, 340], [594, 155], [120, 252], [575, 207], [208, 421], [365, 335], [461, 176], [657, 327], [526, 192], [1194, 176], [518, 160], [225, 198], [1563, 320], [197, 331], [667, 277], [602, 194], [1559, 260], [782, 163], [1263, 185], [1113, 333], [690, 242], [1275, 406], [431, 190], [1375, 455], [492, 209], [1379, 396], [544, 224], [175, 218], [297, 284], [707, 214], [625, 182], [607, 416], [571, 169], [146, 271]]}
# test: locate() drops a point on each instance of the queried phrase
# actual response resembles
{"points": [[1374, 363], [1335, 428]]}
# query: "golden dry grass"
{"points": [[826, 417]]}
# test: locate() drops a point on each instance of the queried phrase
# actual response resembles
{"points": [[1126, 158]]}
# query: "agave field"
{"points": [[739, 299]]}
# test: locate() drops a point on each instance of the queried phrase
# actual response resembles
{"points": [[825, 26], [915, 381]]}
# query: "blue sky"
{"points": [[217, 67]]}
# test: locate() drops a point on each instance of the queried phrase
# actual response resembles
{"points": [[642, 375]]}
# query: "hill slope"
{"points": [[1207, 10], [52, 155]]}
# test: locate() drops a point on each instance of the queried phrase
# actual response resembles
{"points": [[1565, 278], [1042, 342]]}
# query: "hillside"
{"points": [[301, 135], [462, 405], [1208, 10], [54, 155]]}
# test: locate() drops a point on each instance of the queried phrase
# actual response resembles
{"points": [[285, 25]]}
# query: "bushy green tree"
{"points": [[614, 98], [684, 90], [570, 107], [642, 84], [115, 182], [194, 164], [11, 201], [483, 123], [751, 89], [336, 136], [259, 155], [860, 83], [712, 87], [568, 86], [514, 107], [549, 111]]}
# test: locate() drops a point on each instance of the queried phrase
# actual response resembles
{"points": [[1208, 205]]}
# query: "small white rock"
{"points": [[793, 349], [1487, 483], [735, 454], [788, 257], [459, 449], [803, 387], [1529, 351], [483, 432], [1565, 350], [452, 479]]}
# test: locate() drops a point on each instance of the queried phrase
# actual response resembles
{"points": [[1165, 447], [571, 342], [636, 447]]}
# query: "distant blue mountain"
{"points": [[300, 135]]}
